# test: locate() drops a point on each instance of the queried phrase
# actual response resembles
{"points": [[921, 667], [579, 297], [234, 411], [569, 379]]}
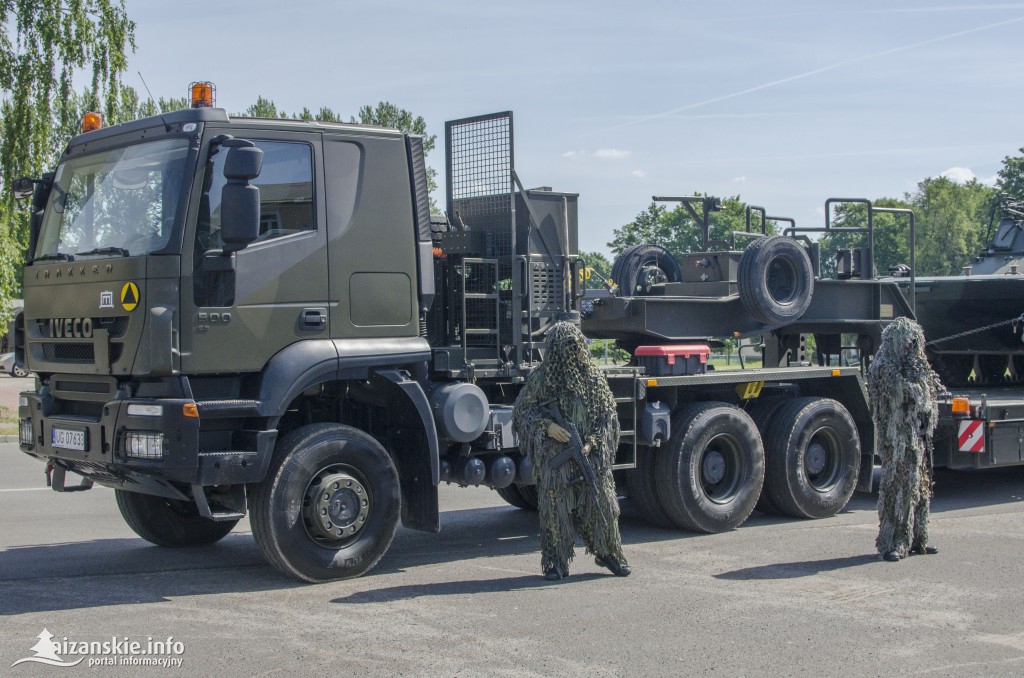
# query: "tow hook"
{"points": [[48, 471]]}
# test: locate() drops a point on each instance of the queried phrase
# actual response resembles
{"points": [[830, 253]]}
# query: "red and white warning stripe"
{"points": [[972, 436]]}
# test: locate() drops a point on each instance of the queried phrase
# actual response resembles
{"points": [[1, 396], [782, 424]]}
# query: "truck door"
{"points": [[236, 317]]}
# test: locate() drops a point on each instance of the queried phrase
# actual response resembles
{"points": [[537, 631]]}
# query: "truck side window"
{"points": [[286, 194]]}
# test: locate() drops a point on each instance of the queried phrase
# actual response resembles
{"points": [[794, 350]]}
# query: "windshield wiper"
{"points": [[54, 256], [105, 250]]}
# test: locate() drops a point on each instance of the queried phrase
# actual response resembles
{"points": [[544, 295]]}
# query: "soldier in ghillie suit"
{"points": [[903, 391], [568, 380]]}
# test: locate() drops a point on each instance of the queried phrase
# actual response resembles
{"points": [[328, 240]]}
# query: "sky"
{"points": [[784, 103]]}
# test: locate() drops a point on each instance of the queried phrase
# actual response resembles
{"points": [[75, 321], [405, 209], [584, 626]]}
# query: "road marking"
{"points": [[26, 489]]}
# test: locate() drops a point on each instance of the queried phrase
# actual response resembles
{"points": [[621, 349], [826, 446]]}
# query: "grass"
{"points": [[8, 421], [733, 363]]}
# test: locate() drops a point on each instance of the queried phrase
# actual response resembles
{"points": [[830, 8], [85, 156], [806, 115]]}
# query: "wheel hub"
{"points": [[713, 467], [816, 458], [336, 506]]}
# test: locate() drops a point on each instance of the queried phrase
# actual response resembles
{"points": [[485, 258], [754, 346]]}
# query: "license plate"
{"points": [[68, 439]]}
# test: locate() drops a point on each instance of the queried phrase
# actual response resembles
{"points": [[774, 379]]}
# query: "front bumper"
{"points": [[86, 426]]}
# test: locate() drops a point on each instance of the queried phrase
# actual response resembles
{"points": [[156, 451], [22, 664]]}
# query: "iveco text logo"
{"points": [[71, 328]]}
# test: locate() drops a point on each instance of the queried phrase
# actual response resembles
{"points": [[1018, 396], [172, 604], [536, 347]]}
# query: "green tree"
{"points": [[601, 269], [263, 108], [951, 223], [43, 44], [892, 236], [676, 230], [1010, 179]]}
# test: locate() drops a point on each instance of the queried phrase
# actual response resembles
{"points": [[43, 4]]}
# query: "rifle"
{"points": [[574, 451]]}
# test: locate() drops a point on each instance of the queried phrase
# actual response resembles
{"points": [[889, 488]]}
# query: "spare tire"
{"points": [[641, 267], [775, 279]]}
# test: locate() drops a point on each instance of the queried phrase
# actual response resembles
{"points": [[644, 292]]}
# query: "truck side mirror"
{"points": [[22, 188], [240, 201], [40, 195]]}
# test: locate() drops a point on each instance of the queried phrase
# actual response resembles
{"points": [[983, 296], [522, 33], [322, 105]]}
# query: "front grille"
{"points": [[78, 353], [69, 353]]}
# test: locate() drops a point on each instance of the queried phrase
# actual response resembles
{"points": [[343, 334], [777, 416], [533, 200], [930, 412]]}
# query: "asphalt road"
{"points": [[775, 597]]}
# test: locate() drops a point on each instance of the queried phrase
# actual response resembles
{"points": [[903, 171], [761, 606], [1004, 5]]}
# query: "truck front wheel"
{"points": [[813, 458], [329, 506], [521, 496], [710, 476], [169, 522]]}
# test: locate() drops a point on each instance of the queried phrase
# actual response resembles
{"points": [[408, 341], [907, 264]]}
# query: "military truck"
{"points": [[231, 315]]}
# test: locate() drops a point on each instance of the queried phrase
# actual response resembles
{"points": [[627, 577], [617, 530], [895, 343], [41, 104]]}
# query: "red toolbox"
{"points": [[673, 360]]}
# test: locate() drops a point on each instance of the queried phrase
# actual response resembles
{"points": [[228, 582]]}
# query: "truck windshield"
{"points": [[121, 201]]}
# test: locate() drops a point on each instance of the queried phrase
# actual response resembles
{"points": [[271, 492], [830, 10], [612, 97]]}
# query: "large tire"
{"points": [[640, 267], [172, 523], [763, 411], [326, 479], [519, 496], [529, 494], [711, 475], [775, 279], [642, 488], [812, 454]]}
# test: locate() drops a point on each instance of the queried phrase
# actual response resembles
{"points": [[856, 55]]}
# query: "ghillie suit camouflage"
{"points": [[903, 390], [581, 392]]}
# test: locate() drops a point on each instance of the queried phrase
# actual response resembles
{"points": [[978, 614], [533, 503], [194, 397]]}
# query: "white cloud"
{"points": [[739, 180], [573, 154], [639, 173], [960, 175], [963, 175], [611, 154]]}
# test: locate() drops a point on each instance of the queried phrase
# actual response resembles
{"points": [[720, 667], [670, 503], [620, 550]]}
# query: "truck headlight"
{"points": [[138, 410], [144, 445], [25, 433]]}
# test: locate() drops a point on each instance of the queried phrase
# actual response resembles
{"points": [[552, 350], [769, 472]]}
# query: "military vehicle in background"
{"points": [[971, 320], [974, 327]]}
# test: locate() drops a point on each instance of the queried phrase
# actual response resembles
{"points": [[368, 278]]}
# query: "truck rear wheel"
{"points": [[642, 487], [710, 476], [812, 458], [763, 411], [172, 523], [329, 506]]}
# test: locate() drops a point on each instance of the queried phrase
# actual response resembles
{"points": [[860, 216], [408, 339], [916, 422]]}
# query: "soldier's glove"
{"points": [[558, 433]]}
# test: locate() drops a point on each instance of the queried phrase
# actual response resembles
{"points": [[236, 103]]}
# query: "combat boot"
{"points": [[555, 572], [617, 568]]}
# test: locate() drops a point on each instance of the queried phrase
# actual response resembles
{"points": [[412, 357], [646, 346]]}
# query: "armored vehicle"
{"points": [[967, 318]]}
